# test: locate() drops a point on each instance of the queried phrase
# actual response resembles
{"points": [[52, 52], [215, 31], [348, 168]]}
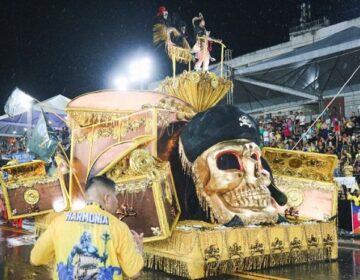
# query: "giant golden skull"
{"points": [[230, 181]]}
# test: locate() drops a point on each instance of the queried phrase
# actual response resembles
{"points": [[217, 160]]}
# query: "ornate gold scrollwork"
{"points": [[200, 90], [141, 162], [289, 184], [114, 128], [86, 118], [304, 165], [134, 186], [31, 183], [183, 111]]}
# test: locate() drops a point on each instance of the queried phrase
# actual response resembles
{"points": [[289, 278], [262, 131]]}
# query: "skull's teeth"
{"points": [[246, 199]]}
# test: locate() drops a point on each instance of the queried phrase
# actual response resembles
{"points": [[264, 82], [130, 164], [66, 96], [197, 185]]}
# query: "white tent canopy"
{"points": [[19, 124]]}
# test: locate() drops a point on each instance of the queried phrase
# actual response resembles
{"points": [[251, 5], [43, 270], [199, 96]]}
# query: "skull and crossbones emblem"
{"points": [[244, 121]]}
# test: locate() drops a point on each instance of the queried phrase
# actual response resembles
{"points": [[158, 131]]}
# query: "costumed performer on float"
{"points": [[170, 30], [202, 46]]}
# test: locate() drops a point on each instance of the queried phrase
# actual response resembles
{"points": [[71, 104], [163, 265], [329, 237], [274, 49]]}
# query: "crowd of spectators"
{"points": [[12, 145], [328, 135], [9, 145]]}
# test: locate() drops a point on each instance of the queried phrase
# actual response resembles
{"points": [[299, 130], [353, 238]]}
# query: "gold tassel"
{"points": [[167, 265], [185, 163]]}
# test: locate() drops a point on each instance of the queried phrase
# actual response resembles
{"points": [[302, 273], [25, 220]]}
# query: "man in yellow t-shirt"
{"points": [[91, 243]]}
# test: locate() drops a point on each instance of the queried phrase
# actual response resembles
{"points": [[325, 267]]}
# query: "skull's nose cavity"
{"points": [[256, 170]]}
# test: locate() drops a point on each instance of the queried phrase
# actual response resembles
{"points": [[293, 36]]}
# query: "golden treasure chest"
{"points": [[147, 200], [101, 119], [307, 180], [128, 137], [28, 191]]}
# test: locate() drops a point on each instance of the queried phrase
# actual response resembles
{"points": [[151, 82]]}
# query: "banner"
{"points": [[355, 213], [349, 182]]}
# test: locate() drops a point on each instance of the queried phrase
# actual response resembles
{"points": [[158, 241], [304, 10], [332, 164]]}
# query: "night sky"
{"points": [[72, 47]]}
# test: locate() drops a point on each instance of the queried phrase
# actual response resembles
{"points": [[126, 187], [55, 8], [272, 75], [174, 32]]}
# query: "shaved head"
{"points": [[100, 181], [102, 190]]}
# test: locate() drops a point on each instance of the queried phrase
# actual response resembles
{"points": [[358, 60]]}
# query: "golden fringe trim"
{"points": [[185, 162], [187, 167], [174, 267], [181, 55], [180, 268], [266, 261]]}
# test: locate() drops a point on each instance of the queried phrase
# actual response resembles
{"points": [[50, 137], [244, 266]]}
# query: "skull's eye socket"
{"points": [[254, 156], [227, 161]]}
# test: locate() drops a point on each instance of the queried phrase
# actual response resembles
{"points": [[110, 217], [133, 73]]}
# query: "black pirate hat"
{"points": [[221, 123], [218, 124]]}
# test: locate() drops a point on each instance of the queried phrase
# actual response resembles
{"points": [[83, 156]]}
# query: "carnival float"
{"points": [[189, 172]]}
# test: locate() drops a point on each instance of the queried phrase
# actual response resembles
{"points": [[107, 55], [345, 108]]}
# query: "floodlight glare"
{"points": [[139, 70], [59, 205], [121, 83], [78, 204]]}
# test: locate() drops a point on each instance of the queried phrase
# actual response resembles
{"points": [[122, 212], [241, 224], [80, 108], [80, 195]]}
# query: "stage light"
{"points": [[139, 70], [121, 83]]}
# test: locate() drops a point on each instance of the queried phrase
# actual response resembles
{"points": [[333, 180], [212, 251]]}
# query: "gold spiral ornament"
{"points": [[295, 197], [141, 161], [32, 196], [194, 77]]}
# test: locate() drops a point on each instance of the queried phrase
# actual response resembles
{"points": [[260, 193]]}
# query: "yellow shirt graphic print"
{"points": [[88, 244]]}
